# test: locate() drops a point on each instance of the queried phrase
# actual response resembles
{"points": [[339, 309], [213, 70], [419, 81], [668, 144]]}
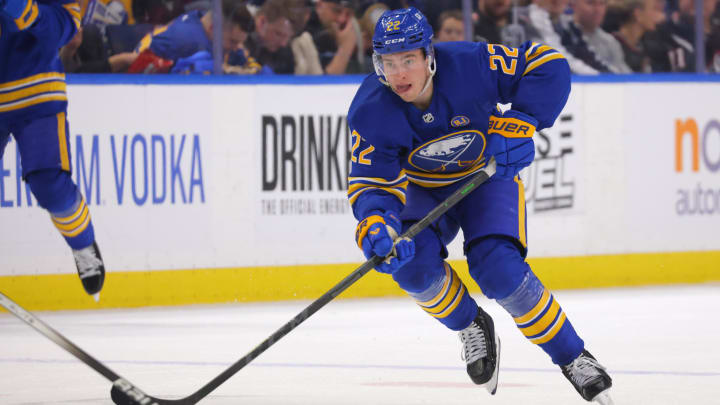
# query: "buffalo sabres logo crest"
{"points": [[459, 121], [451, 153]]}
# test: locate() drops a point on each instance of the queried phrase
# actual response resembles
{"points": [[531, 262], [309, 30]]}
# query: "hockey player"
{"points": [[424, 122], [33, 106]]}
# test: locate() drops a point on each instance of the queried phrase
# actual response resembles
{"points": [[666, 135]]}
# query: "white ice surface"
{"points": [[659, 344]]}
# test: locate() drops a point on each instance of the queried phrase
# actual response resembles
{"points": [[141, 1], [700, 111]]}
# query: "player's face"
{"points": [[406, 72]]}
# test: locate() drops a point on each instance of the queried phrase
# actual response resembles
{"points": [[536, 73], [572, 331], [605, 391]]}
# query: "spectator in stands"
{"points": [[338, 37], [636, 18], [270, 42], [492, 17], [86, 53], [190, 34], [586, 40], [370, 15], [671, 47], [450, 26], [305, 53], [542, 23]]}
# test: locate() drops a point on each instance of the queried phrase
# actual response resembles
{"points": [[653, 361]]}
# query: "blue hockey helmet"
{"points": [[399, 31], [402, 30]]}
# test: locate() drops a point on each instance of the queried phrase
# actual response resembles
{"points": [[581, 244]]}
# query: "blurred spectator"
{"points": [[585, 39], [635, 19], [189, 34], [269, 43], [86, 53], [337, 36], [307, 59], [161, 12], [672, 46], [368, 20], [107, 12], [492, 17], [450, 26], [431, 8], [542, 23]]}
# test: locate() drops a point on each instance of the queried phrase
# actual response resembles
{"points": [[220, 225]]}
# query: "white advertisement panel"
{"points": [[210, 176], [672, 150]]}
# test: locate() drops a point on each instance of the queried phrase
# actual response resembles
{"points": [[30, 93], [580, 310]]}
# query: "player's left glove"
{"points": [[14, 8], [378, 235], [510, 141]]}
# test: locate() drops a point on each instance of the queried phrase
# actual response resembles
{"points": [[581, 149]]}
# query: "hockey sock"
{"points": [[56, 192], [447, 300], [541, 319]]}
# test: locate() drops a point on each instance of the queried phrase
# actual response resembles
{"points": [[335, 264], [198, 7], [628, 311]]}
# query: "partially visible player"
{"points": [[424, 122], [33, 106]]}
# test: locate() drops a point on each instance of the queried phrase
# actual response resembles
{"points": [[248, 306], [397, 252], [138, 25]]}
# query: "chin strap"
{"points": [[432, 67]]}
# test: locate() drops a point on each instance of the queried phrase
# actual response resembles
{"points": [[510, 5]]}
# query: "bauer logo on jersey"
{"points": [[459, 121], [452, 153]]}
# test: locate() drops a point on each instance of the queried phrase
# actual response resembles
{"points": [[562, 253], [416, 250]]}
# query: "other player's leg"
{"points": [[45, 158]]}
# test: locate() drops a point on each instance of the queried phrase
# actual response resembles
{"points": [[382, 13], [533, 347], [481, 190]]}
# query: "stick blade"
{"points": [[124, 393]]}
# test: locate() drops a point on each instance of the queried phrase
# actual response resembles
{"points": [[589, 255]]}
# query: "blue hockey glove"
{"points": [[378, 235], [510, 141], [14, 8]]}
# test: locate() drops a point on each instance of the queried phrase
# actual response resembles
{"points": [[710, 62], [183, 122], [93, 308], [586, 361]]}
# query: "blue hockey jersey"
{"points": [[181, 38], [395, 143], [32, 82]]}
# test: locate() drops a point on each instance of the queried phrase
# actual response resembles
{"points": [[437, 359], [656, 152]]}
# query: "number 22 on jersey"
{"points": [[510, 53]]}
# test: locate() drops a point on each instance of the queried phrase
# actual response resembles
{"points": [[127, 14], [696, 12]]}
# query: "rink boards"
{"points": [[233, 189]]}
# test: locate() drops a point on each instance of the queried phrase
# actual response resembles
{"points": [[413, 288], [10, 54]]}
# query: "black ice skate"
{"points": [[481, 351], [589, 378], [91, 269]]}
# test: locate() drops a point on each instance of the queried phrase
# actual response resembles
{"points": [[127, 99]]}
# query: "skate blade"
{"points": [[604, 398], [96, 297], [492, 384]]}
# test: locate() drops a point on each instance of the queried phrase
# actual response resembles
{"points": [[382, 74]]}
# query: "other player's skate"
{"points": [[481, 351], [90, 268], [589, 378]]}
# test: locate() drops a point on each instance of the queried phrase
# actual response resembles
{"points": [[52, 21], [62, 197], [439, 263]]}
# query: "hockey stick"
{"points": [[125, 393]]}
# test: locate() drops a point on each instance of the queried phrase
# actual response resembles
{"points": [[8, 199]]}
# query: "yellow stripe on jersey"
{"points": [[54, 87], [74, 10], [538, 62], [36, 89], [431, 180], [537, 52], [147, 39], [40, 77], [359, 185], [28, 16]]}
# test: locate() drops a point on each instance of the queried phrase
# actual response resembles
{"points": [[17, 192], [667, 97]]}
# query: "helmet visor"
{"points": [[396, 63]]}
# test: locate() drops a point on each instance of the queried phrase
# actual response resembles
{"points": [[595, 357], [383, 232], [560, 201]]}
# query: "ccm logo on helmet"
{"points": [[394, 41]]}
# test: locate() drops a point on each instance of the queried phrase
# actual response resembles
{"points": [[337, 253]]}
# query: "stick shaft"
{"points": [[56, 337], [343, 285]]}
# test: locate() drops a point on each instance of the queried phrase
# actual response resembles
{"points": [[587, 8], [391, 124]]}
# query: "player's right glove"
{"points": [[378, 235], [14, 8], [510, 141]]}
